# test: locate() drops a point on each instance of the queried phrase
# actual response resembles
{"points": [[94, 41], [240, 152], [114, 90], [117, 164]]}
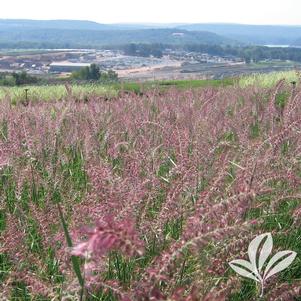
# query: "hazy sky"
{"points": [[160, 11]]}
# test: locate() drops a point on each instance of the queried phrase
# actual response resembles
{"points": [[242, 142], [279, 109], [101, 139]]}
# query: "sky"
{"points": [[157, 11]]}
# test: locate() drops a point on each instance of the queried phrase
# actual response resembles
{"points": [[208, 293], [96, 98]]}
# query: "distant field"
{"points": [[18, 52], [55, 92], [59, 92], [80, 91], [269, 79], [181, 84]]}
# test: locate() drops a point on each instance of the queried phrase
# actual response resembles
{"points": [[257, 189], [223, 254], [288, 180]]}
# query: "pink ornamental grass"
{"points": [[108, 235]]}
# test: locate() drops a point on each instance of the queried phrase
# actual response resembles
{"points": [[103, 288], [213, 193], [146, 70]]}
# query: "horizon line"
{"points": [[150, 23]]}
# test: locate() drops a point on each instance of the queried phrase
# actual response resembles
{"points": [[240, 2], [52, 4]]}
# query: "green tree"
{"points": [[23, 78], [94, 73], [87, 73]]}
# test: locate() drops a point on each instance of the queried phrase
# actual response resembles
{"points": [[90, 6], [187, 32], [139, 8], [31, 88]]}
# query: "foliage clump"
{"points": [[93, 72]]}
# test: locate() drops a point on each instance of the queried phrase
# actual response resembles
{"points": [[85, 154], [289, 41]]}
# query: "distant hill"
{"points": [[20, 24], [7, 24], [73, 34], [297, 42], [147, 25], [256, 34]]}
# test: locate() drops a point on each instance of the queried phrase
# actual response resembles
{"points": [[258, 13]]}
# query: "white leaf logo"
{"points": [[247, 272], [258, 256]]}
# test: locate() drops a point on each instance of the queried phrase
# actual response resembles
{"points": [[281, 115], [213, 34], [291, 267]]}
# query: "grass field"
{"points": [[148, 196], [80, 91], [269, 79], [54, 92]]}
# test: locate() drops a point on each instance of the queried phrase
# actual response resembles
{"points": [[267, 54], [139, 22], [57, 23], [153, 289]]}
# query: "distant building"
{"points": [[178, 34], [66, 66]]}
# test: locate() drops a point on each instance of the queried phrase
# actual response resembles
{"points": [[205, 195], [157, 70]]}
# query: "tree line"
{"points": [[144, 50], [247, 53], [250, 53]]}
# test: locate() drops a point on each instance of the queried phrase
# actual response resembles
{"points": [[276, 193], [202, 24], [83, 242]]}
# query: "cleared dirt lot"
{"points": [[198, 71]]}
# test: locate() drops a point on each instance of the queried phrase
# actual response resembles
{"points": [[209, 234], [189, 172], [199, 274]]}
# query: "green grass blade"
{"points": [[74, 259]]}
